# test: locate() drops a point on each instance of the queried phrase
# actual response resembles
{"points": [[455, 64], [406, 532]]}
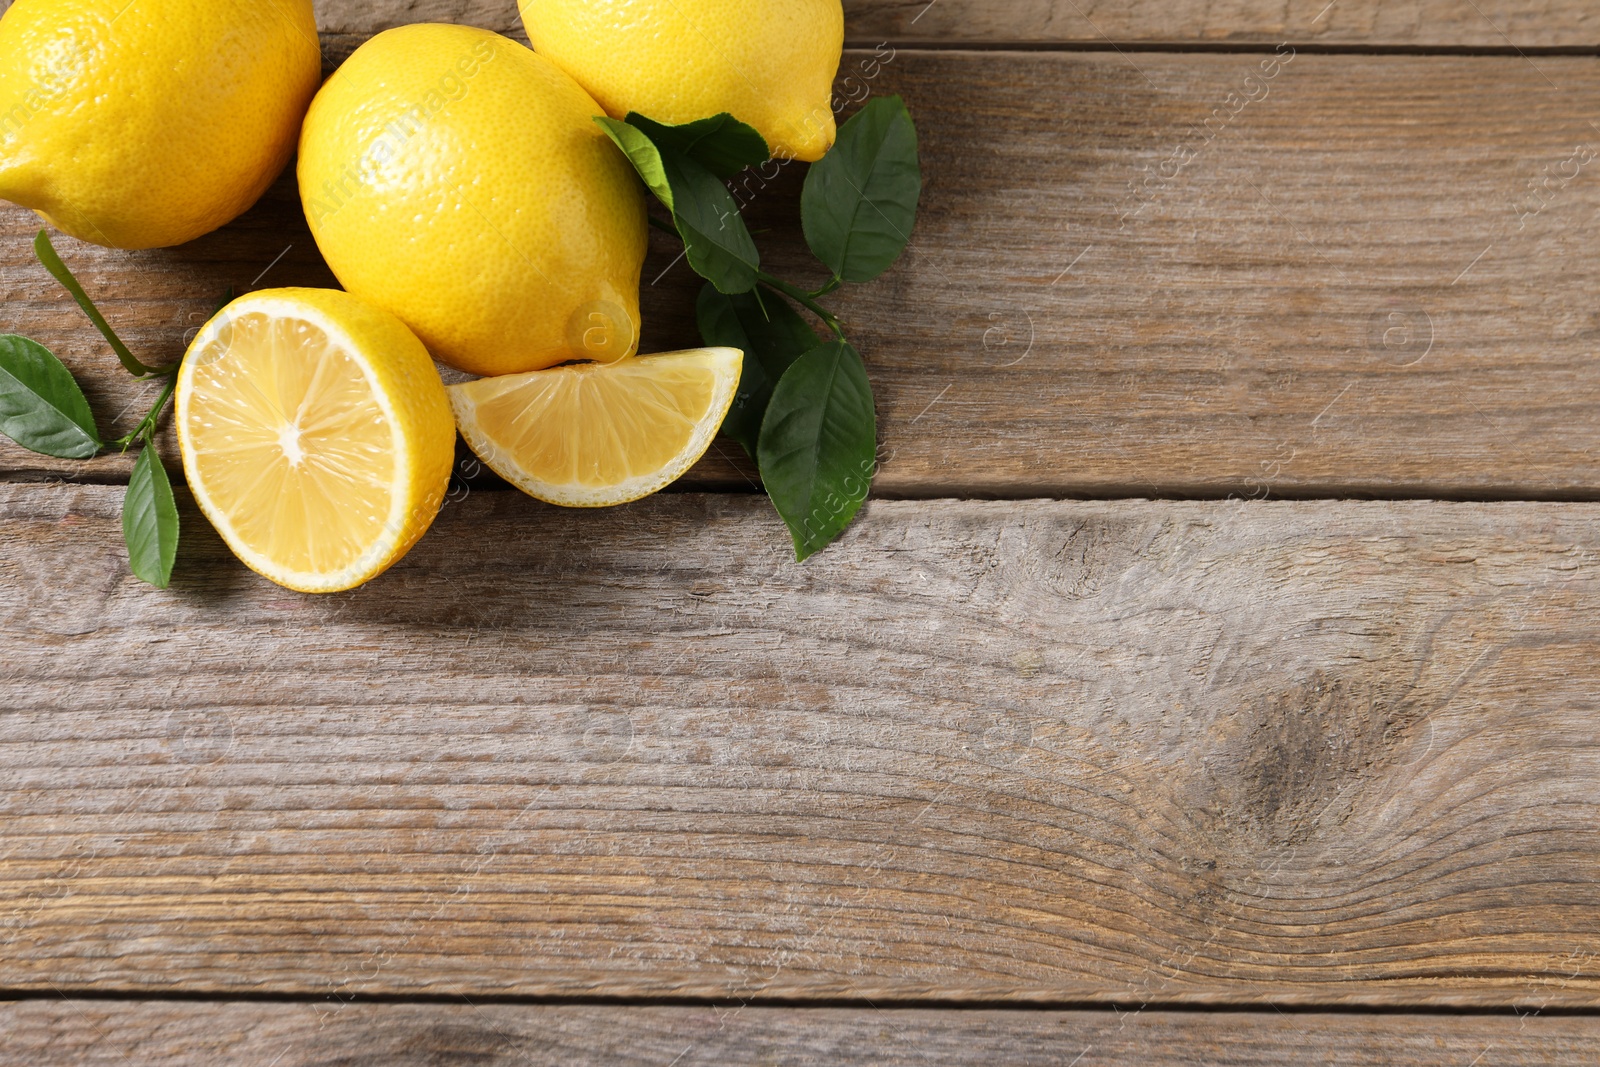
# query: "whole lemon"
{"points": [[147, 123], [458, 180], [771, 63]]}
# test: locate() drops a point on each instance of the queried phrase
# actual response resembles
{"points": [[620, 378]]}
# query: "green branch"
{"points": [[58, 270], [801, 297], [147, 425]]}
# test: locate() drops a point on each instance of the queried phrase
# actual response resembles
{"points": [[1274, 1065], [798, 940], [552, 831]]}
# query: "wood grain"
{"points": [[46, 1033], [1351, 290], [1499, 24], [1313, 753]]}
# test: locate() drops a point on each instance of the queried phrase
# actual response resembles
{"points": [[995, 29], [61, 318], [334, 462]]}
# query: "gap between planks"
{"points": [[338, 46]]}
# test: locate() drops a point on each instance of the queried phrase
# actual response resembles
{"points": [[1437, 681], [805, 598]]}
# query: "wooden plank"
{"points": [[45, 1033], [1497, 24], [1315, 753], [1352, 289]]}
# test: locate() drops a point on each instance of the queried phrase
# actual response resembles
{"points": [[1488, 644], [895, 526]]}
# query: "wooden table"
{"points": [[1214, 678]]}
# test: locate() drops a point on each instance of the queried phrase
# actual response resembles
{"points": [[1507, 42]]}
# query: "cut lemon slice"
{"points": [[595, 435], [316, 436]]}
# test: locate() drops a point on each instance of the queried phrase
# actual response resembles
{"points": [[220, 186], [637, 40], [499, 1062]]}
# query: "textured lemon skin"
{"points": [[455, 178], [149, 123], [771, 63], [402, 374]]}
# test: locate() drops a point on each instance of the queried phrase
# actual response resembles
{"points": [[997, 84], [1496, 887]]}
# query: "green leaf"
{"points": [[715, 240], [41, 407], [642, 153], [819, 445], [721, 144], [860, 200], [52, 263], [714, 235], [150, 521], [771, 334]]}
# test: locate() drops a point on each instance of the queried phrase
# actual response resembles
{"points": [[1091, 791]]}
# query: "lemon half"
{"points": [[316, 436], [596, 435]]}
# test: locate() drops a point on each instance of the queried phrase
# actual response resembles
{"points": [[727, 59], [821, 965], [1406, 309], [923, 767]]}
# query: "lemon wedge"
{"points": [[596, 435], [316, 436]]}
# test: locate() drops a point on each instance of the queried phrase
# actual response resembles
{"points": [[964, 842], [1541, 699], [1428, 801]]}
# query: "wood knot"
{"points": [[1301, 758]]}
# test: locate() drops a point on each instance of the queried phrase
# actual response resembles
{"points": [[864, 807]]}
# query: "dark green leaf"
{"points": [[642, 153], [722, 144], [41, 407], [771, 334], [819, 445], [52, 263], [714, 235], [860, 200], [150, 520], [715, 240]]}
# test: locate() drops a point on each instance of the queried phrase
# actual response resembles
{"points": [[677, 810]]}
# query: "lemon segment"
{"points": [[316, 436], [597, 435]]}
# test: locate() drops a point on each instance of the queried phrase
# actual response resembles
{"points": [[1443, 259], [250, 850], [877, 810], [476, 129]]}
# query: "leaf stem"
{"points": [[665, 226], [832, 285], [147, 425], [801, 297], [58, 270]]}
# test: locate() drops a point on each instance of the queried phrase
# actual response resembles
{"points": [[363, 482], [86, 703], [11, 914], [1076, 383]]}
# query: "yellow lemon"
{"points": [[771, 63], [458, 180], [316, 436], [594, 435], [147, 123]]}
